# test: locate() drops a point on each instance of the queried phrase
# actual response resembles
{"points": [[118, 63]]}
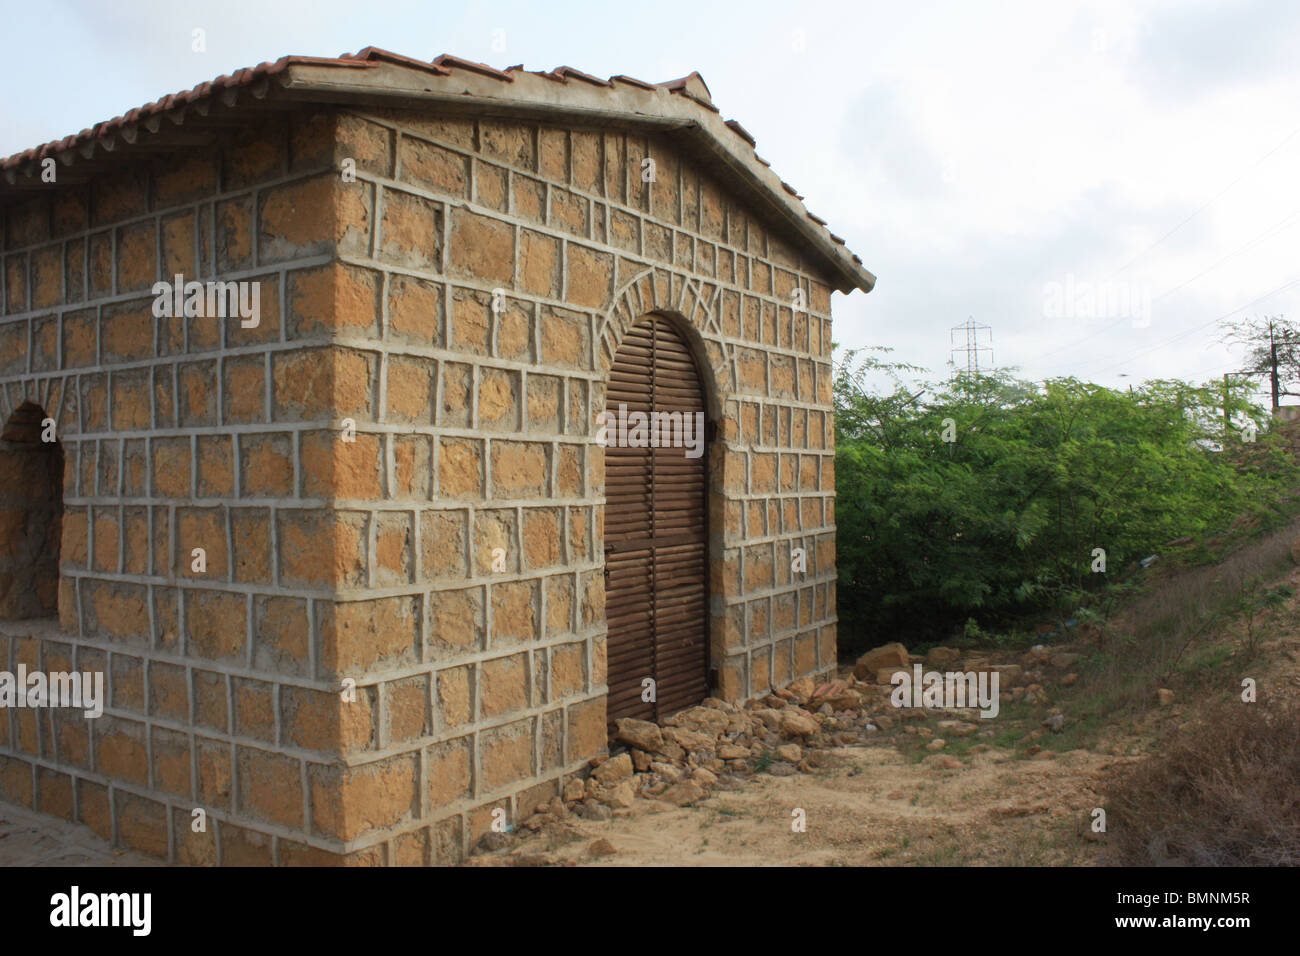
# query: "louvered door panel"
{"points": [[656, 532]]}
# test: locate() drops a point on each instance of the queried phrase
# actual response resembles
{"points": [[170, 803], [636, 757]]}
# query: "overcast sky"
{"points": [[1096, 182]]}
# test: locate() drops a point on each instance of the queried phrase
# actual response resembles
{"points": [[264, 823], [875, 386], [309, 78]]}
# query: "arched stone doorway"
{"points": [[656, 524], [31, 515]]}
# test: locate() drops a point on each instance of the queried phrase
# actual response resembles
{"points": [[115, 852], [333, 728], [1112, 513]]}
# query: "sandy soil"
{"points": [[34, 839], [878, 807]]}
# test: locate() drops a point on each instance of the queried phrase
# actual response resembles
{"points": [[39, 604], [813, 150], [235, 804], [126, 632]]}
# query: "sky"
{"points": [[1098, 183]]}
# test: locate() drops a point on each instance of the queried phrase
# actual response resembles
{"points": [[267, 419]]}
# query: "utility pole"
{"points": [[1227, 417], [1272, 348], [971, 346]]}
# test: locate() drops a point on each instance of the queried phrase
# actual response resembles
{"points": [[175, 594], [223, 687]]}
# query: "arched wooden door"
{"points": [[656, 528]]}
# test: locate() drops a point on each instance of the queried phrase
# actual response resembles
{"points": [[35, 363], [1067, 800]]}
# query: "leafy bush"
{"points": [[986, 496]]}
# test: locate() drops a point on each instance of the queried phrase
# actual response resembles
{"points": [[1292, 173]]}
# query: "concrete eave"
{"points": [[679, 109], [689, 118]]}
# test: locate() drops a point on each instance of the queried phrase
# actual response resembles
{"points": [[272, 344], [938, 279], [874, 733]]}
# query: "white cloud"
{"points": [[971, 154]]}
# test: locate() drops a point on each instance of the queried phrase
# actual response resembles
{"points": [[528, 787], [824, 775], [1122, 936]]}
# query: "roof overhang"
{"points": [[681, 110]]}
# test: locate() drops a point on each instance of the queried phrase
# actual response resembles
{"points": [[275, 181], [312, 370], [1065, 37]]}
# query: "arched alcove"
{"points": [[31, 515]]}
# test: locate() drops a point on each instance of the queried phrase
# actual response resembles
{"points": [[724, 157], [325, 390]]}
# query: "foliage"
{"points": [[988, 497], [1272, 345]]}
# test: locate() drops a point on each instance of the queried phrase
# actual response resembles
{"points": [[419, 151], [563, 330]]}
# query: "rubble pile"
{"points": [[796, 729]]}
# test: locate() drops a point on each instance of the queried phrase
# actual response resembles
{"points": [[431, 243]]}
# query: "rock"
{"points": [[639, 733], [886, 674], [652, 785], [883, 721], [669, 772], [818, 759], [621, 794], [936, 744], [770, 717], [537, 821], [708, 721], [557, 809], [941, 657], [1008, 674], [689, 740], [705, 777], [1044, 755], [1055, 723], [791, 753], [1165, 696], [1063, 659], [846, 700], [672, 752], [1038, 654], [977, 749], [593, 810], [614, 769], [599, 848], [740, 725], [802, 688], [1035, 694], [575, 790], [1069, 679], [830, 690], [948, 762], [794, 724], [641, 761], [872, 662], [732, 752], [781, 768], [493, 840], [680, 794]]}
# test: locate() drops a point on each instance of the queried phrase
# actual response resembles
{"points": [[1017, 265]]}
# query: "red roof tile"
{"points": [[691, 87]]}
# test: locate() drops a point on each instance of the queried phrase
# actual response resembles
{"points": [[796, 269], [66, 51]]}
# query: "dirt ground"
{"points": [[34, 839], [878, 806]]}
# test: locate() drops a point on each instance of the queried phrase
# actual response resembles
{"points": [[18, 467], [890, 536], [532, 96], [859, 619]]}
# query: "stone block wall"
{"points": [[415, 408], [181, 433], [490, 348]]}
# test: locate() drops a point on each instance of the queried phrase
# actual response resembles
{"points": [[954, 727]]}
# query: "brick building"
{"points": [[342, 558]]}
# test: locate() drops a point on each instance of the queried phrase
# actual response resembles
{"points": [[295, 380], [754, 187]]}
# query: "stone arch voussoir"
{"points": [[695, 307]]}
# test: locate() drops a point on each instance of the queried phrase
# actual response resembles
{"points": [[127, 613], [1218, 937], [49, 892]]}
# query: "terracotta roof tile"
{"points": [[741, 132], [447, 60], [101, 136], [632, 80], [565, 72]]}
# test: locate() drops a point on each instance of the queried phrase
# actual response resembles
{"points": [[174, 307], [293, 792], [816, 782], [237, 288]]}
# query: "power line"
{"points": [[1181, 335], [1291, 135], [1250, 243], [1240, 249], [1198, 211]]}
